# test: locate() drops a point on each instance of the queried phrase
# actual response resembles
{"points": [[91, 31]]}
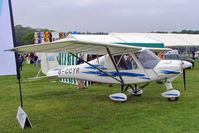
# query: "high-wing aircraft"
{"points": [[120, 64]]}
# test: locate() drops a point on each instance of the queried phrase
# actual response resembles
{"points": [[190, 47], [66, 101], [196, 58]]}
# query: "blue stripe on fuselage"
{"points": [[114, 74], [169, 72], [56, 69], [98, 66]]}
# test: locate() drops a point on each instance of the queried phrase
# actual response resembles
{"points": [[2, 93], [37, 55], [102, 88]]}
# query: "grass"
{"points": [[57, 107]]}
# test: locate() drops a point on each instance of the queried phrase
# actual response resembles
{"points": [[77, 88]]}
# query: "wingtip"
{"points": [[9, 50]]}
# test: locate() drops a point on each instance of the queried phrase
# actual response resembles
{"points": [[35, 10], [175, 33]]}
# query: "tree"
{"points": [[29, 38], [25, 35]]}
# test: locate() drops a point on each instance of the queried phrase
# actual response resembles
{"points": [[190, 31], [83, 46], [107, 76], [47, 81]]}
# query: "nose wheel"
{"points": [[173, 99], [171, 95]]}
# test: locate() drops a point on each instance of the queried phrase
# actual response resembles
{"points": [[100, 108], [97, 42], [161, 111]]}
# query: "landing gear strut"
{"points": [[134, 90]]}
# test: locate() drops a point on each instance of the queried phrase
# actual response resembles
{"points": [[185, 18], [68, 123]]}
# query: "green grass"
{"points": [[57, 107]]}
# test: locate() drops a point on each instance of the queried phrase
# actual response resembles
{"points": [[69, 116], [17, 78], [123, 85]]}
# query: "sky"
{"points": [[108, 15]]}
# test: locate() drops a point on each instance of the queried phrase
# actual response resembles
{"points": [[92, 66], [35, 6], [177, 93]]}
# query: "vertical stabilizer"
{"points": [[49, 61]]}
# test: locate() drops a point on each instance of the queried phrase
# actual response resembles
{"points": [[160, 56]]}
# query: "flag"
{"points": [[7, 59]]}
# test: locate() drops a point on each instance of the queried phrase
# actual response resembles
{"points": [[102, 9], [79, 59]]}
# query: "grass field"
{"points": [[57, 107]]}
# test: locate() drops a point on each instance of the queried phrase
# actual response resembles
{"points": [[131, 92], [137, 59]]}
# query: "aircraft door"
{"points": [[130, 69], [125, 62]]}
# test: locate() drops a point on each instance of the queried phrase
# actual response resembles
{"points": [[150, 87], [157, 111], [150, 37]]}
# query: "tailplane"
{"points": [[52, 74], [42, 77]]}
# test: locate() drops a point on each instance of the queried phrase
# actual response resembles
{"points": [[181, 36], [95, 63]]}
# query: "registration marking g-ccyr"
{"points": [[72, 70]]}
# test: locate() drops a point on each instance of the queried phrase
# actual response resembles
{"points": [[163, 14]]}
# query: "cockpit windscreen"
{"points": [[148, 59]]}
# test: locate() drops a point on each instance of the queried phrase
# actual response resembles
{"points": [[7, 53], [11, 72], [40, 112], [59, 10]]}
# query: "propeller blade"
{"points": [[184, 79]]}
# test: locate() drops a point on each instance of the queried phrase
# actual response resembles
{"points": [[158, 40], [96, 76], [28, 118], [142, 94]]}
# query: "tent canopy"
{"points": [[169, 40]]}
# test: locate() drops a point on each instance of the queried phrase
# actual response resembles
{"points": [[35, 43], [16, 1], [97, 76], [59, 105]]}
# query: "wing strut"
{"points": [[97, 68], [113, 61]]}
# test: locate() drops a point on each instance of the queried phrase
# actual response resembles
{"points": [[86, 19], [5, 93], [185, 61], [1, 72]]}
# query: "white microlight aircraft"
{"points": [[120, 64]]}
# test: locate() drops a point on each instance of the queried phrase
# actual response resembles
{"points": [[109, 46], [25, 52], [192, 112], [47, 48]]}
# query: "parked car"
{"points": [[178, 57]]}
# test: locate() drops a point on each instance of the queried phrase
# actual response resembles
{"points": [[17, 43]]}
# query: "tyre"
{"points": [[173, 98], [137, 95]]}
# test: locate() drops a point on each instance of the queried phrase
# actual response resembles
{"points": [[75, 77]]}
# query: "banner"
{"points": [[7, 59]]}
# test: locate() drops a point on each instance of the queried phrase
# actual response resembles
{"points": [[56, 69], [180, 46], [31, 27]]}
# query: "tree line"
{"points": [[179, 32], [25, 35]]}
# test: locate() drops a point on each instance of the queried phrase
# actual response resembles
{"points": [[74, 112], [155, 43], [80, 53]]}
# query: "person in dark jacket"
{"points": [[20, 61], [35, 60]]}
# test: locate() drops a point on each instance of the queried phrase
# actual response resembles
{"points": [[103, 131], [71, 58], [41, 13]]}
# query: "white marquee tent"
{"points": [[185, 43]]}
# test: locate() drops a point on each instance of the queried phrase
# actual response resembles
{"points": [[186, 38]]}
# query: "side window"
{"points": [[125, 62]]}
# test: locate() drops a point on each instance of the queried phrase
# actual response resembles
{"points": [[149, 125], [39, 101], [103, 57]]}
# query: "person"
{"points": [[193, 55], [161, 56], [80, 82], [31, 58], [28, 59], [20, 61], [35, 60], [129, 63]]}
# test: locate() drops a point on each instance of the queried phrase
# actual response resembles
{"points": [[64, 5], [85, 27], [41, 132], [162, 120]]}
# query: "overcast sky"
{"points": [[108, 15]]}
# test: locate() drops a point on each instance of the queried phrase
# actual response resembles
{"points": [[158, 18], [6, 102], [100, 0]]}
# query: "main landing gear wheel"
{"points": [[139, 95], [135, 91]]}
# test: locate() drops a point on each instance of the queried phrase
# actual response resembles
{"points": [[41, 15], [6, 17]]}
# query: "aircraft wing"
{"points": [[70, 45]]}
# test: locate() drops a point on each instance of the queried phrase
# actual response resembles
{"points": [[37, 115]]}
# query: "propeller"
{"points": [[183, 71], [184, 79], [185, 65]]}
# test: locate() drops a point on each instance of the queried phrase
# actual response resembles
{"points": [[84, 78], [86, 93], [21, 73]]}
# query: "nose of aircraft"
{"points": [[186, 64]]}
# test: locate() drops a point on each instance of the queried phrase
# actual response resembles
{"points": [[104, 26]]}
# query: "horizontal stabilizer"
{"points": [[43, 77]]}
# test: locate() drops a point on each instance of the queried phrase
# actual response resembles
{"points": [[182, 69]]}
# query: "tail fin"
{"points": [[49, 66], [48, 61]]}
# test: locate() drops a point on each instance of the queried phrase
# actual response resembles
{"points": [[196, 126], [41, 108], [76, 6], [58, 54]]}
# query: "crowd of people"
{"points": [[31, 58]]}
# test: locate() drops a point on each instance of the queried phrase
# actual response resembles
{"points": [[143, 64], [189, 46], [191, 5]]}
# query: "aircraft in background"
{"points": [[120, 64]]}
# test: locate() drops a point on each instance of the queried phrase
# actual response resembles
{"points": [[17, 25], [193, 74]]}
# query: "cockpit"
{"points": [[125, 62], [128, 62]]}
